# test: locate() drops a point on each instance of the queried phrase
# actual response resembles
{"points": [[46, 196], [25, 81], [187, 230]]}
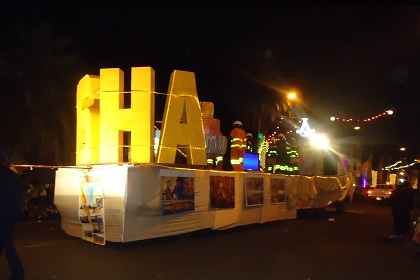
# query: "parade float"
{"points": [[126, 181]]}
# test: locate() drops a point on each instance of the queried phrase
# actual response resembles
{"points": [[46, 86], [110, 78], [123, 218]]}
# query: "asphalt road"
{"points": [[352, 245]]}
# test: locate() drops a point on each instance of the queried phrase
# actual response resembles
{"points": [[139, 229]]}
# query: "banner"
{"points": [[177, 194], [91, 208], [254, 190]]}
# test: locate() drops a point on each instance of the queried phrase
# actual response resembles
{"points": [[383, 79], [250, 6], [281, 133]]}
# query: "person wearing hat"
{"points": [[237, 146], [250, 143], [11, 208]]}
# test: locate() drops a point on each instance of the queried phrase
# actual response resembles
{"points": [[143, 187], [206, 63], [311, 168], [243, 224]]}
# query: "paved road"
{"points": [[337, 246]]}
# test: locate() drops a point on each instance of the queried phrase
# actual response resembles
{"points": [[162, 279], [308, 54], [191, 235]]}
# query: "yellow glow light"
{"points": [[320, 141], [292, 95]]}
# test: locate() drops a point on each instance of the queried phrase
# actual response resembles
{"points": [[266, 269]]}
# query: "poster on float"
{"points": [[277, 190], [91, 209], [222, 192], [177, 194], [254, 190]]}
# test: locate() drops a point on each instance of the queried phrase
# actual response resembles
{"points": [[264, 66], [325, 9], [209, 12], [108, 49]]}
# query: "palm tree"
{"points": [[38, 80]]}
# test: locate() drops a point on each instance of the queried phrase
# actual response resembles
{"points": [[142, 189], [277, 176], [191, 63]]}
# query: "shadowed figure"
{"points": [[11, 208]]}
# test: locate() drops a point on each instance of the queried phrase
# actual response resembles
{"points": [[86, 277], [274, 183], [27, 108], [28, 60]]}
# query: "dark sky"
{"points": [[353, 62]]}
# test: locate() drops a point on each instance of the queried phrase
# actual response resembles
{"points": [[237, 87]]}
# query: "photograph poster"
{"points": [[277, 190], [91, 209], [177, 194], [222, 192], [254, 191]]}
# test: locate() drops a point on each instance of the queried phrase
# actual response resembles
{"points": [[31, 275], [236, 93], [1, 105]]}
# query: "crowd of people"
{"points": [[282, 155], [38, 198]]}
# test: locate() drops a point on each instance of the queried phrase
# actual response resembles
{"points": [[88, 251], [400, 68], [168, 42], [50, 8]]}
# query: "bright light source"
{"points": [[390, 112], [320, 141], [292, 95], [332, 119], [356, 127], [402, 149]]}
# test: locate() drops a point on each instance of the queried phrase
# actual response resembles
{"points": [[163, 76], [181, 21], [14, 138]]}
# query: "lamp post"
{"points": [[291, 99]]}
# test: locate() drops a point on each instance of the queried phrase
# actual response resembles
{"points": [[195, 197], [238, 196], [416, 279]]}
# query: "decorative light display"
{"points": [[385, 113], [305, 130], [396, 166]]}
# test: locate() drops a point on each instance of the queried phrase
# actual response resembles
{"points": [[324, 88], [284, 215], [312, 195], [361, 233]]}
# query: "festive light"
{"points": [[320, 141], [385, 113], [395, 166], [305, 130]]}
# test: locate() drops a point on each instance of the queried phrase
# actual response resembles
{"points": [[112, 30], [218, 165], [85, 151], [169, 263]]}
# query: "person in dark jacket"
{"points": [[401, 203], [11, 208]]}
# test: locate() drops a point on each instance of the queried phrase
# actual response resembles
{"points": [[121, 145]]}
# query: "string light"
{"points": [[395, 166], [32, 166], [383, 114], [97, 92]]}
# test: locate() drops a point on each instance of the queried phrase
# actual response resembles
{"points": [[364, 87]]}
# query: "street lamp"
{"points": [[292, 95], [292, 100]]}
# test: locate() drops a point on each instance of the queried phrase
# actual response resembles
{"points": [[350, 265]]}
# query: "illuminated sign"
{"points": [[305, 130]]}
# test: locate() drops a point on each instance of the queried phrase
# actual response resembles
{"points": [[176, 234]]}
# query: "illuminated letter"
{"points": [[87, 110], [117, 120], [182, 125], [108, 130]]}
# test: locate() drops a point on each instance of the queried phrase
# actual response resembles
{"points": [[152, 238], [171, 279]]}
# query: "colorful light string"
{"points": [[383, 114]]}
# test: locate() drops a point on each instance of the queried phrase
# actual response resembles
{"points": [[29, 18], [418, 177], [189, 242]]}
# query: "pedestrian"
{"points": [[11, 208], [401, 200], [237, 146]]}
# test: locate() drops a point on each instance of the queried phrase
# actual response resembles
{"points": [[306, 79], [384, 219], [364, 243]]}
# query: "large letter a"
{"points": [[182, 126]]}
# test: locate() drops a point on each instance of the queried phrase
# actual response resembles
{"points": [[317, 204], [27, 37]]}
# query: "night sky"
{"points": [[352, 62]]}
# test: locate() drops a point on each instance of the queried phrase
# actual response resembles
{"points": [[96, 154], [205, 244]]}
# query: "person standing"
{"points": [[401, 200], [11, 208], [271, 156], [250, 143], [237, 146], [283, 158], [294, 157]]}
